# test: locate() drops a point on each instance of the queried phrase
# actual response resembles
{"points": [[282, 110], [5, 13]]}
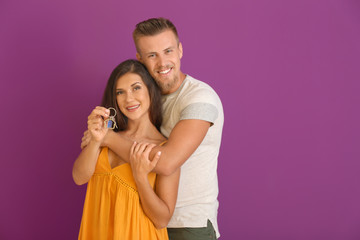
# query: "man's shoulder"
{"points": [[195, 83], [194, 86]]}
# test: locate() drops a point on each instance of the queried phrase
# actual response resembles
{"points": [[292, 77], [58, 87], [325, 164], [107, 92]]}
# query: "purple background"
{"points": [[287, 72]]}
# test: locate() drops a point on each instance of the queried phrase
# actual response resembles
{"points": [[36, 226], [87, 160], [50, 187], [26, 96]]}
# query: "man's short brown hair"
{"points": [[153, 26]]}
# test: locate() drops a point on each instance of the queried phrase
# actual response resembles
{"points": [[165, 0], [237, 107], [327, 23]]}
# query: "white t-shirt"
{"points": [[198, 188]]}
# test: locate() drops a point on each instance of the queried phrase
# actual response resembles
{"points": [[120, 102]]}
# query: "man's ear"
{"points": [[180, 50], [138, 57]]}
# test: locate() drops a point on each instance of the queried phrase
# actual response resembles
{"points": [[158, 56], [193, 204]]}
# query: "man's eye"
{"points": [[151, 55]]}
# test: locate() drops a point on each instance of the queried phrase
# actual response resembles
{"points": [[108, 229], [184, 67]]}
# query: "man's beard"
{"points": [[165, 87]]}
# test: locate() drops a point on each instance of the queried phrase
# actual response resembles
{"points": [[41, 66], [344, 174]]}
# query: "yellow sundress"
{"points": [[112, 207]]}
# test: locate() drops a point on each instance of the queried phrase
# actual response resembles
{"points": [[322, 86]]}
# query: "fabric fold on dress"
{"points": [[112, 208]]}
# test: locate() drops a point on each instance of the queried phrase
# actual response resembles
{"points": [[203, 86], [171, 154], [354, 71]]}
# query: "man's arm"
{"points": [[184, 139], [118, 144]]}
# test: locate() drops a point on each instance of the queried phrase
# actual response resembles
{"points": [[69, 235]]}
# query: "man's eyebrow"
{"points": [[148, 53]]}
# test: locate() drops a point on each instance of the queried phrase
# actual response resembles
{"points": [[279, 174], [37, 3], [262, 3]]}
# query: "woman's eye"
{"points": [[119, 92], [137, 88]]}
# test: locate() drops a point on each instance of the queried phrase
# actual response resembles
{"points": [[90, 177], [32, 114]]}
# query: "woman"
{"points": [[120, 200]]}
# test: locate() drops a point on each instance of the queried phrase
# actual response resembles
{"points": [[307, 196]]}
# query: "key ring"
{"points": [[110, 122]]}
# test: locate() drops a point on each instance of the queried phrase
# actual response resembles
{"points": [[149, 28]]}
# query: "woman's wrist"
{"points": [[94, 143], [140, 178]]}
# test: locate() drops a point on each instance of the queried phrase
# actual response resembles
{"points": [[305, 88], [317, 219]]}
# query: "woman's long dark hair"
{"points": [[109, 97]]}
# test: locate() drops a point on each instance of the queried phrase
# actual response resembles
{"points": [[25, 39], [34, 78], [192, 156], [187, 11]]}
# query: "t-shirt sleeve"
{"points": [[201, 111], [200, 105]]}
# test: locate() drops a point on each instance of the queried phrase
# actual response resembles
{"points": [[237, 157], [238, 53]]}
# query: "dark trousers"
{"points": [[203, 233]]}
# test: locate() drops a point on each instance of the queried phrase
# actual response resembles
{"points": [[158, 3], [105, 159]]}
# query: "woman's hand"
{"points": [[84, 165], [139, 159], [96, 129], [85, 139]]}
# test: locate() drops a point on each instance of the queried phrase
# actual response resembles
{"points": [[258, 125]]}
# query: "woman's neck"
{"points": [[143, 130]]}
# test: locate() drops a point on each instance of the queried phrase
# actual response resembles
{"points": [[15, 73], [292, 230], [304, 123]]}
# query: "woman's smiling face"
{"points": [[132, 96]]}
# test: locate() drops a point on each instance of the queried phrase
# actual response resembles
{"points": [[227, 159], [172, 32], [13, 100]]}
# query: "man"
{"points": [[192, 122]]}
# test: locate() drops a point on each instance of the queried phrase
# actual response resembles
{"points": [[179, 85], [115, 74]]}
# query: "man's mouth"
{"points": [[165, 71]]}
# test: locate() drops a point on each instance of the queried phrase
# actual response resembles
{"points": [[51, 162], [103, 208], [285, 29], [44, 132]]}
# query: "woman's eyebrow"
{"points": [[136, 83]]}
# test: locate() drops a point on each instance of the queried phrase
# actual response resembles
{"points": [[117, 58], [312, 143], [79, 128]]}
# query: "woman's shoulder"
{"points": [[157, 141], [155, 138], [160, 139]]}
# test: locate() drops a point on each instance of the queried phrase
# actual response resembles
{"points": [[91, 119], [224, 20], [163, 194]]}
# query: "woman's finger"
{"points": [[148, 149], [155, 159], [140, 147], [99, 111], [132, 149]]}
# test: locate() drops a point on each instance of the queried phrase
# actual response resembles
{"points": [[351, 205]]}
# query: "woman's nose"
{"points": [[129, 96]]}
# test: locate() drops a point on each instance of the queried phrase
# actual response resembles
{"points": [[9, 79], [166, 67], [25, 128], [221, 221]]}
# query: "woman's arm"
{"points": [[159, 206], [84, 165]]}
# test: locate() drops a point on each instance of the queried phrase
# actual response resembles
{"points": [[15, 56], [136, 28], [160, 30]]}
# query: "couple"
{"points": [[133, 175]]}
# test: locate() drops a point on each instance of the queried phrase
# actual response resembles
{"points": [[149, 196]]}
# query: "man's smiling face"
{"points": [[161, 55]]}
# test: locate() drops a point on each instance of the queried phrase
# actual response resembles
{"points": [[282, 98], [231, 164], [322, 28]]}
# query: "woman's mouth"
{"points": [[133, 108]]}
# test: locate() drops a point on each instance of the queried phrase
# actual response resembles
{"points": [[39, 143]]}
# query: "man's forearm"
{"points": [[118, 144], [182, 142], [167, 163], [184, 139], [121, 146]]}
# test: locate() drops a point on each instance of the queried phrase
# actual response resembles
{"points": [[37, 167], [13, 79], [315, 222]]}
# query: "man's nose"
{"points": [[161, 61]]}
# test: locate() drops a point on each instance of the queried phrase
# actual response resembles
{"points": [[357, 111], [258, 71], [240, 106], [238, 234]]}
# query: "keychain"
{"points": [[110, 122]]}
